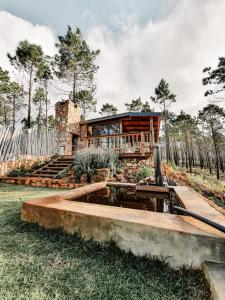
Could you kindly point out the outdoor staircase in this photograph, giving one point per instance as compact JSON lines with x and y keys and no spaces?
{"x":54,"y":167}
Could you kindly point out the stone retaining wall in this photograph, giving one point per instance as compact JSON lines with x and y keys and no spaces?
{"x":40,"y":182}
{"x":7,"y":166}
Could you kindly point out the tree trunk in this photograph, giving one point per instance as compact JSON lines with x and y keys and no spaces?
{"x":14,"y":112}
{"x":216,"y":151}
{"x":46,"y":105}
{"x":29,"y":98}
{"x":166,"y":134}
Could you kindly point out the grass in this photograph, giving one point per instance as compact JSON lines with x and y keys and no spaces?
{"x":40,"y":264}
{"x":203,"y":182}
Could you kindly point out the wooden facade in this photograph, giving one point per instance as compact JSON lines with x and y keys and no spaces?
{"x":130,"y":134}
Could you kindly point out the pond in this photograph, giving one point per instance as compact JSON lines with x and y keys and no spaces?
{"x":128,"y":197}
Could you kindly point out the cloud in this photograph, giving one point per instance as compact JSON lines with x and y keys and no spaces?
{"x":134,"y":59}
{"x":176,"y":48}
{"x":14,"y":29}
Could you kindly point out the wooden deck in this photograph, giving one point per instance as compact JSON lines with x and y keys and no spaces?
{"x":133,"y":145}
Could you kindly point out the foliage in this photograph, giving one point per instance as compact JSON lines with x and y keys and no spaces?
{"x":108,"y":109}
{"x":213,"y":118}
{"x":15,"y":99}
{"x":20,"y":172}
{"x":85,"y":100}
{"x":51,"y":121}
{"x":143,"y":173}
{"x":63,"y":173}
{"x":4,"y":107}
{"x":39,"y":101}
{"x":45,"y":264}
{"x":86,"y":161}
{"x":215,"y":78}
{"x":75,"y":62}
{"x":137,"y":105}
{"x":200,"y":180}
{"x":165,"y":98}
{"x":28,"y":58}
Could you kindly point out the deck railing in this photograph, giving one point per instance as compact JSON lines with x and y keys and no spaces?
{"x":121,"y":143}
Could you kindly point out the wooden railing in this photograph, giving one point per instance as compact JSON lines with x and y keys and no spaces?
{"x":141,"y":142}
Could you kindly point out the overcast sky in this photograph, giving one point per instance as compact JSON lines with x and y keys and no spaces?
{"x":141,"y":41}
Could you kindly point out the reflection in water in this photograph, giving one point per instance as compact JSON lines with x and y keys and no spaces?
{"x":129,"y":198}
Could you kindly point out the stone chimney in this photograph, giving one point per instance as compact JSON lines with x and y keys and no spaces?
{"x":67,"y":123}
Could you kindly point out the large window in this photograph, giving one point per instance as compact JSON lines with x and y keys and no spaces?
{"x":105,"y":129}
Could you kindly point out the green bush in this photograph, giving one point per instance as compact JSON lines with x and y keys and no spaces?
{"x":19,"y":172}
{"x":86,"y":161}
{"x":143,"y":173}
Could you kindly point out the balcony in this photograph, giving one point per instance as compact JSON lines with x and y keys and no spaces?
{"x":126,"y":144}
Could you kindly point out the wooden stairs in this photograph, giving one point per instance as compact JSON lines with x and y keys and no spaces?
{"x":57,"y":165}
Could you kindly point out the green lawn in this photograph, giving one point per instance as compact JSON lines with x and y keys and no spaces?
{"x":40,"y":264}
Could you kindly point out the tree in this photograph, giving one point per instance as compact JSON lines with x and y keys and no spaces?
{"x":15,"y":99}
{"x":108,"y":109}
{"x":146,"y":107}
{"x":186,"y":125}
{"x":213,"y":117}
{"x":215,"y":78}
{"x":165,"y":98}
{"x":135,"y":105}
{"x":86,"y":102}
{"x":39,"y":100}
{"x":44,"y":75}
{"x":75,"y":62}
{"x":27,"y":60}
{"x":4,"y":107}
{"x":51,"y":121}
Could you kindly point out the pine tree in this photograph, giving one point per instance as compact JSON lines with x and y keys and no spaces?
{"x":75,"y":62}
{"x":27,"y":60}
{"x":108,"y":109}
{"x":165,"y":98}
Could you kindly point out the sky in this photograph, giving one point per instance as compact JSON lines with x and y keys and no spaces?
{"x":141,"y":41}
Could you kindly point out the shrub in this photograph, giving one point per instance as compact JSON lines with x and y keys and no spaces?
{"x":88,"y":160}
{"x":143,"y":173}
{"x":19,"y":172}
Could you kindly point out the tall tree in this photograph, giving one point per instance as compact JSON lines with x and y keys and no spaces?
{"x":108,"y":109}
{"x":27,"y":60}
{"x":165,"y":98}
{"x":75,"y":62}
{"x":15,"y":99}
{"x":186,"y":125}
{"x":44,"y":76}
{"x":213,"y":117}
{"x":85,"y":100}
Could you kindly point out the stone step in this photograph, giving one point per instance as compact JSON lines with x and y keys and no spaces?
{"x":53,"y":168}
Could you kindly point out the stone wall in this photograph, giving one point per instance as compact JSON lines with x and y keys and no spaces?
{"x":40,"y":182}
{"x":7,"y":166}
{"x":67,"y":118}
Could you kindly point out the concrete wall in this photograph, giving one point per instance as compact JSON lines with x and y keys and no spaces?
{"x":180,"y":239}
